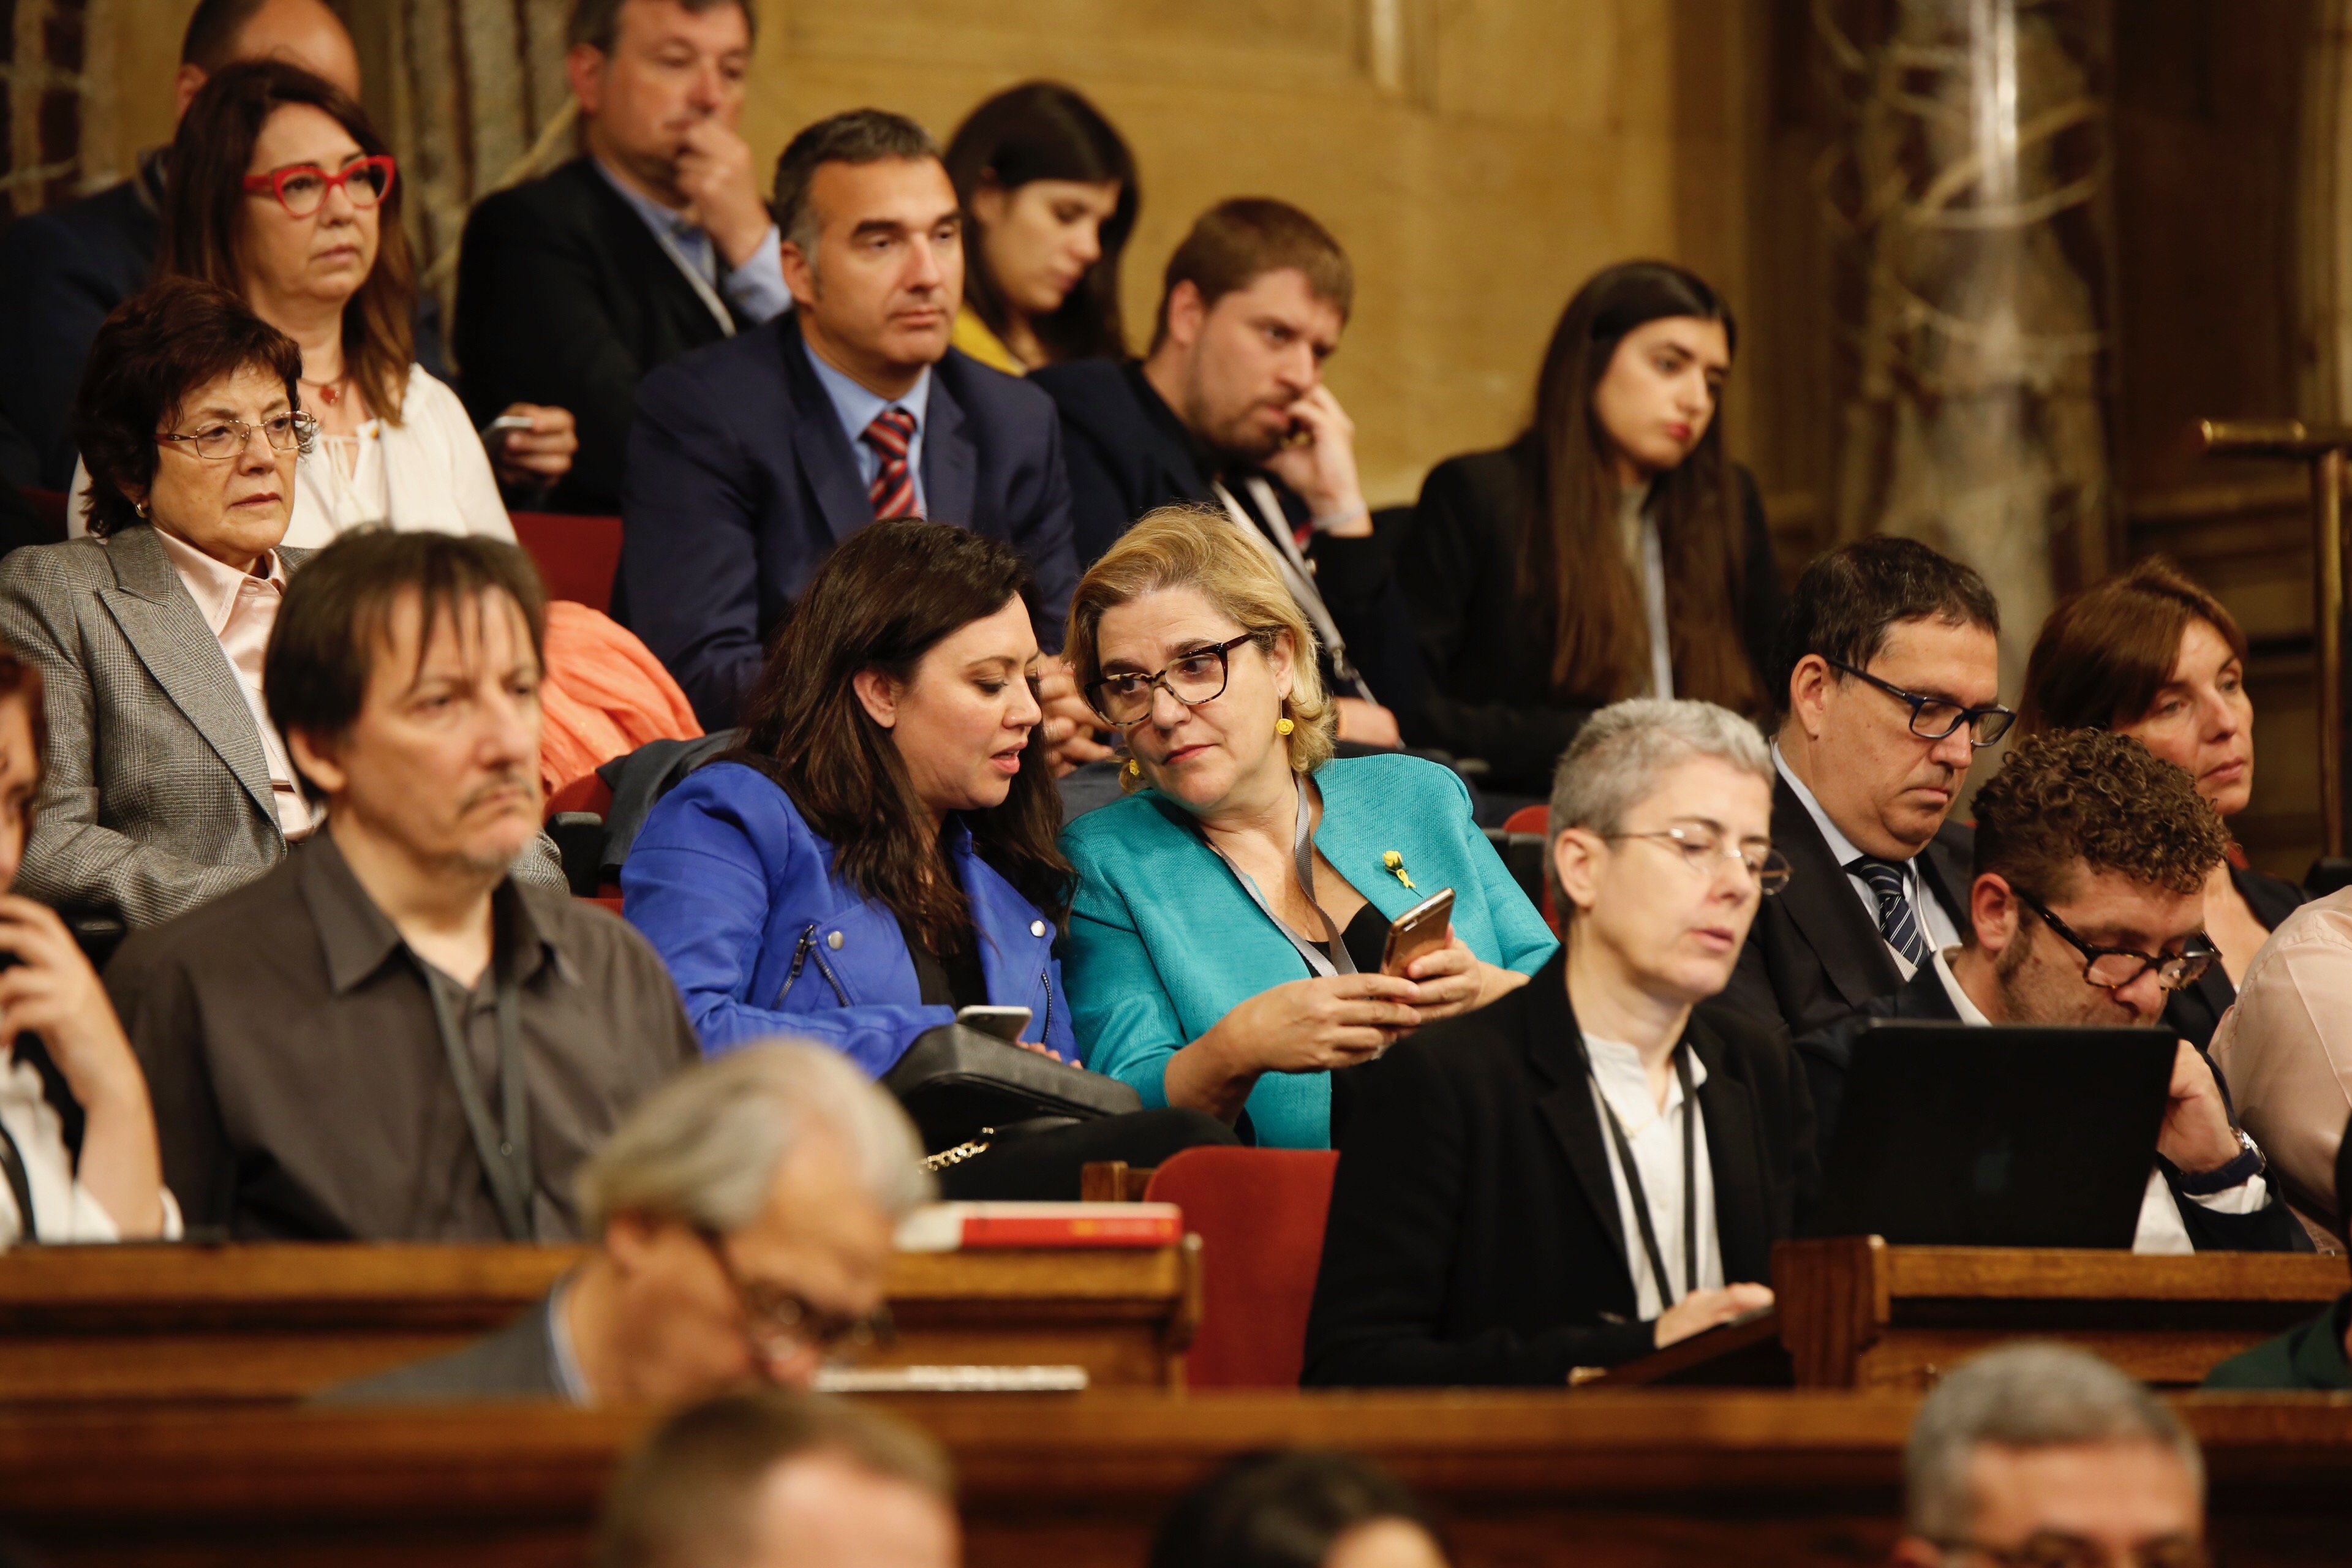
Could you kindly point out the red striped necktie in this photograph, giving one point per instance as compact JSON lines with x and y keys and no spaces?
{"x":893,"y":489}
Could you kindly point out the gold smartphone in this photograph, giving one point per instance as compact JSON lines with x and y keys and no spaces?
{"x":1417,"y":931}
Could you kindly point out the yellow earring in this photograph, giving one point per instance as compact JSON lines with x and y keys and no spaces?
{"x":1134,"y":768}
{"x":1283,"y":726}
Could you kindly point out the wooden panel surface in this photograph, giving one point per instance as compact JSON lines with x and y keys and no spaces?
{"x":276,"y":1323}
{"x":1592,"y":1478}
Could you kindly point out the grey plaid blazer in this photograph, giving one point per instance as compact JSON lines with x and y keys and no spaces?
{"x":156,"y":795}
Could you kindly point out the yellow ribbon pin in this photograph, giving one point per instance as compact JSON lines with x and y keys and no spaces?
{"x":1395,"y":863}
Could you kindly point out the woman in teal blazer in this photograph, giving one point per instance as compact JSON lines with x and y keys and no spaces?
{"x":1200,"y":961}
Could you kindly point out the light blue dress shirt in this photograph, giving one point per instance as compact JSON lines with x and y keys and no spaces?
{"x":1935,"y":926}
{"x":856,"y":408}
{"x":756,"y":287}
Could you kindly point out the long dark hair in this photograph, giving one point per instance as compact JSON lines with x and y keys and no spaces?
{"x":1272,"y":1510}
{"x":206,"y":196}
{"x":1573,"y":565}
{"x":884,"y":597}
{"x":1043,"y":130}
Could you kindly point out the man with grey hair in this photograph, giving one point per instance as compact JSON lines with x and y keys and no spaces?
{"x":751,"y":458}
{"x":653,"y":242}
{"x":777,"y":1479}
{"x":2044,"y":1455}
{"x":1597,"y":1164}
{"x":744,"y":1215}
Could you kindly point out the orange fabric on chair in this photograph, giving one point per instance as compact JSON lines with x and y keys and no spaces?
{"x":1259,"y":1214}
{"x":605,"y":694}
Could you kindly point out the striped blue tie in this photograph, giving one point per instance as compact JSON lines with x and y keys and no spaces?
{"x":1890,"y":882}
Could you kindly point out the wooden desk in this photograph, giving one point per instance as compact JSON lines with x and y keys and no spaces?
{"x":243,"y":1323}
{"x":1597,"y":1479}
{"x":1857,"y":1313}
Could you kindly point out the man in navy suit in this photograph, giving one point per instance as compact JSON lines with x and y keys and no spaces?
{"x":750,"y":458}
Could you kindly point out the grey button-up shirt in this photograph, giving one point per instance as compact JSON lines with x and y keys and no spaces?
{"x":299,"y":1083}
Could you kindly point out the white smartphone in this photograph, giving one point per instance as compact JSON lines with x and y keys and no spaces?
{"x":1004,"y":1022}
{"x":507,"y":422}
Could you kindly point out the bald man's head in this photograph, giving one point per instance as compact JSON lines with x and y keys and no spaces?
{"x":305,"y":33}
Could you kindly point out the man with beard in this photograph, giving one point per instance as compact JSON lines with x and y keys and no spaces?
{"x":2088,"y":908}
{"x":1228,"y":411}
{"x":388,"y":1037}
{"x":1886,"y":669}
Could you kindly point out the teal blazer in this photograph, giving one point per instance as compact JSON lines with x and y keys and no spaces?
{"x":1164,"y":942}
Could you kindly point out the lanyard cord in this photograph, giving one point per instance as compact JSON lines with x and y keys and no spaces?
{"x":1340,"y":961}
{"x":505,"y":1152}
{"x":1666,"y":1296}
{"x":1274,"y":539}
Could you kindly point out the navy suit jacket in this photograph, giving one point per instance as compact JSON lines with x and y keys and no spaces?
{"x":1827,"y":1053}
{"x":740,"y":478}
{"x":60,"y":272}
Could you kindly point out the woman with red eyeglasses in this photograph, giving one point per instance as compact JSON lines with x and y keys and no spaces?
{"x":282,"y":193}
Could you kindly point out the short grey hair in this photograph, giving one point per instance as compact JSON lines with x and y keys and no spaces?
{"x":1617,"y":759}
{"x":855,"y":136}
{"x":2032,"y":1395}
{"x":705,"y":1148}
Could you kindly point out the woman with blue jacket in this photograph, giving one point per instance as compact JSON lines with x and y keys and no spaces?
{"x":1226,"y":934}
{"x":880,"y":851}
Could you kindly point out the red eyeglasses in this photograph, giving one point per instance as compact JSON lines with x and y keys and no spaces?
{"x":302,"y":189}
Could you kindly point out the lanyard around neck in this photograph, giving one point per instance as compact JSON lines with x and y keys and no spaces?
{"x":1339,"y":961}
{"x":504,"y":1150}
{"x":1657,"y":1257}
{"x":1274,"y":537}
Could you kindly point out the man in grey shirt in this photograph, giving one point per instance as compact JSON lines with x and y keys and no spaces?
{"x":387,"y":1037}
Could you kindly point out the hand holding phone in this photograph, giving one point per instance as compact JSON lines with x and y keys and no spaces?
{"x":1004,"y":1022}
{"x":1419,"y":930}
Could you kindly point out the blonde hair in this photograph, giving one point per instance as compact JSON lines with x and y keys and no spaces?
{"x":1193,"y":547}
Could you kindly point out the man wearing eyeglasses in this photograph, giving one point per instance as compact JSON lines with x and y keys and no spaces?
{"x":1889,"y":667}
{"x":744,"y":1216}
{"x":2088,"y":908}
{"x":2042,"y":1456}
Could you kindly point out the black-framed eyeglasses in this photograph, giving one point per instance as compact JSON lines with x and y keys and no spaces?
{"x":225,"y":438}
{"x":1124,"y":699}
{"x":779,"y":1323}
{"x":1704,"y":848}
{"x":2061,"y":1549}
{"x":2113,"y":968}
{"x":1933,"y":718}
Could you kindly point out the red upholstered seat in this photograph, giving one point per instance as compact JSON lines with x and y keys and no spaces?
{"x":1259,"y":1214}
{"x":1535,"y":819}
{"x":587,"y":793}
{"x":577,"y":557}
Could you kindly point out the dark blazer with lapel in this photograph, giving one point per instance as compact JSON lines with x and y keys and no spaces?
{"x":741,"y":479}
{"x":516,"y":1362}
{"x":565,"y":298}
{"x":1815,"y":953}
{"x":1489,"y":654}
{"x":2196,"y":1013}
{"x":1828,"y":1052}
{"x":1473,"y":1234}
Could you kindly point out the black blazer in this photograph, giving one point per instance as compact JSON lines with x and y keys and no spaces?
{"x":565,"y":298}
{"x":740,"y":478}
{"x":2196,"y":1013}
{"x":1488,"y":653}
{"x":1128,"y":454}
{"x":1827,"y":1053}
{"x":1815,"y":953}
{"x":1473,"y":1234}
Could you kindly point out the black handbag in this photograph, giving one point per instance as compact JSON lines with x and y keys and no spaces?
{"x":956,"y":1081}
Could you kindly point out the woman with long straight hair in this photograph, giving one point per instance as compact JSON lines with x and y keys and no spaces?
{"x":879,"y":853}
{"x":1049,"y":198}
{"x":1610,"y":552}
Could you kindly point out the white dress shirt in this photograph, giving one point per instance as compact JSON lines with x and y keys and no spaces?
{"x":63,"y":1209}
{"x":1620,"y":1083}
{"x":1934,"y":924}
{"x":240,"y":607}
{"x":2160,"y":1229}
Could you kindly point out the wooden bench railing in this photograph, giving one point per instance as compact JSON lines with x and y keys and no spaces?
{"x":1602,"y":1480}
{"x":279,"y":1322}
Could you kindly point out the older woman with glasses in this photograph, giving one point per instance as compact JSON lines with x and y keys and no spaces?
{"x":283,"y":194}
{"x":1227,"y":932}
{"x":1599,"y":1165}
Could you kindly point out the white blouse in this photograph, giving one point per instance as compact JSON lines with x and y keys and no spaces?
{"x":428,"y":473}
{"x":63,"y":1209}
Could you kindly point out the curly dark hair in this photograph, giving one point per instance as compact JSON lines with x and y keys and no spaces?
{"x":2099,"y":798}
{"x":158,"y":346}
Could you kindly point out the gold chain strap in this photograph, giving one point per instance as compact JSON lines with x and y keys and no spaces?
{"x":964,"y":1151}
